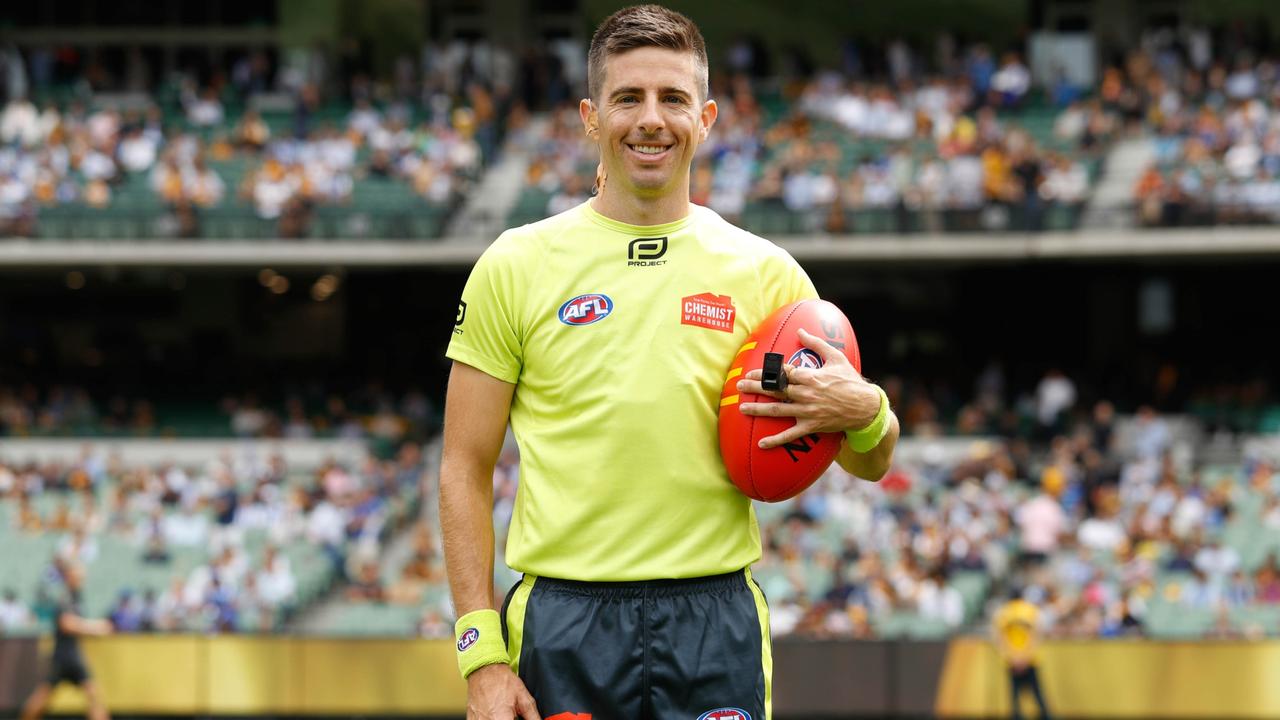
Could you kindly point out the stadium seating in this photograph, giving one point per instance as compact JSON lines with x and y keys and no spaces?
{"x":115,"y":560}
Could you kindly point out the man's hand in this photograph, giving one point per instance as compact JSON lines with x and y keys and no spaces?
{"x":832,"y":398}
{"x":495,"y":693}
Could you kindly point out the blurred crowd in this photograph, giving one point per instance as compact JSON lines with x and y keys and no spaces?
{"x":994,"y":405}
{"x":53,"y":156}
{"x":230,"y":532}
{"x":1099,"y":532}
{"x":101,"y":156}
{"x":942,"y":155}
{"x":64,"y":409}
{"x":272,"y":140}
{"x":1217,"y":134}
{"x":371,"y":412}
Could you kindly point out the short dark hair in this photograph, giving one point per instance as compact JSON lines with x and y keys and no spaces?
{"x":644,"y":26}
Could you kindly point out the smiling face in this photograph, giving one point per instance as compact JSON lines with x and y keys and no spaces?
{"x":649,"y":119}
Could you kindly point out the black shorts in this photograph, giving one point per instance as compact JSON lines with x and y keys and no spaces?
{"x":67,"y":669}
{"x":695,"y":649}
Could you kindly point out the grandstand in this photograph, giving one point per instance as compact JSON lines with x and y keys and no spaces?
{"x":226,"y":284}
{"x":276,"y":536}
{"x":1194,"y":538}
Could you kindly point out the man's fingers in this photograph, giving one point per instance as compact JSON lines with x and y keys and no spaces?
{"x":753,"y":387}
{"x":795,"y":432}
{"x":829,"y":352}
{"x":800,"y":376}
{"x":774,"y":409}
{"x":795,"y":393}
{"x":801,"y":393}
{"x":527,"y":708}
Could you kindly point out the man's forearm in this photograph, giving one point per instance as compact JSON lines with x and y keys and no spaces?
{"x":466,"y":521}
{"x":873,"y":464}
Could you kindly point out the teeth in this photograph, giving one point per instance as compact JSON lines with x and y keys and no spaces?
{"x":648,"y":149}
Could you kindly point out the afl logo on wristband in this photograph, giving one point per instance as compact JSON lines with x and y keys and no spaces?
{"x":725,"y":714}
{"x":586,"y":309}
{"x":469,"y":637}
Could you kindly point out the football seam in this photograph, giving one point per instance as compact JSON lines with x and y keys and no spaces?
{"x":751,"y":434}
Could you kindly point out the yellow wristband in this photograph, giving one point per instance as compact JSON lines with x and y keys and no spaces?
{"x":480,"y":643}
{"x":867,"y":438}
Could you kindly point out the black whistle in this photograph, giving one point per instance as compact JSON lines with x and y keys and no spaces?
{"x":772,"y":376}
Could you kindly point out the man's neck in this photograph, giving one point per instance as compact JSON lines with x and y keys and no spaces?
{"x":634,"y":210}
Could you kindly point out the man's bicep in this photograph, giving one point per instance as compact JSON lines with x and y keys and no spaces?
{"x":475,"y":415}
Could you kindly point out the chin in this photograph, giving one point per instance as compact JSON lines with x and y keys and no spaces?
{"x":650,"y":184}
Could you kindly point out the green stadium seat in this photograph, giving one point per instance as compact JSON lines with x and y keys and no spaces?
{"x":1178,"y":623}
{"x":973,"y":586}
{"x":895,"y":625}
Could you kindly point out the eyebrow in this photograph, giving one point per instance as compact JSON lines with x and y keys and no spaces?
{"x":641,"y":91}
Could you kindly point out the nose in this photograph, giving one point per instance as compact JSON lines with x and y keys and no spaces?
{"x":651,"y":122}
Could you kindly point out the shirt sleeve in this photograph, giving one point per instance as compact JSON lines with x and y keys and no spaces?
{"x":784,"y":281}
{"x":486,"y":331}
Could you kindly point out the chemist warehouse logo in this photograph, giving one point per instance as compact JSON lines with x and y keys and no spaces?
{"x":708,"y":310}
{"x":586,"y":309}
{"x":646,"y":252}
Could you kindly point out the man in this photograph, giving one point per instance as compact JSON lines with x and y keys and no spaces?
{"x":1017,"y":638}
{"x":67,"y":664}
{"x":636,"y":601}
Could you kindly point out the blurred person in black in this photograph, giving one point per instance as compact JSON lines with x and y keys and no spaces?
{"x":67,"y":663}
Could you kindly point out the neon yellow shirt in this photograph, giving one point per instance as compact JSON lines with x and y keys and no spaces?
{"x":617,"y":338}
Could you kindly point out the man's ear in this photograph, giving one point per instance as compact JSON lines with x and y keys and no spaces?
{"x":710,"y":111}
{"x":590,"y":117}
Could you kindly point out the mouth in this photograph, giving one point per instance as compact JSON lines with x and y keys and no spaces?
{"x":650,"y":152}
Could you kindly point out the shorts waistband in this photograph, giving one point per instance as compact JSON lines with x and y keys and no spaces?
{"x":735,"y":580}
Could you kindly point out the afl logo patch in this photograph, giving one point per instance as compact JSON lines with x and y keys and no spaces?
{"x":468,"y":638}
{"x":725,"y":714}
{"x":586,"y":309}
{"x":805,"y":358}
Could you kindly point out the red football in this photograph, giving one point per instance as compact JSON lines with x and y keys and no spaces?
{"x":782,"y":472}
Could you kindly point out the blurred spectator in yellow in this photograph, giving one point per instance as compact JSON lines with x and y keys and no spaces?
{"x":1017,"y":633}
{"x":251,"y":133}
